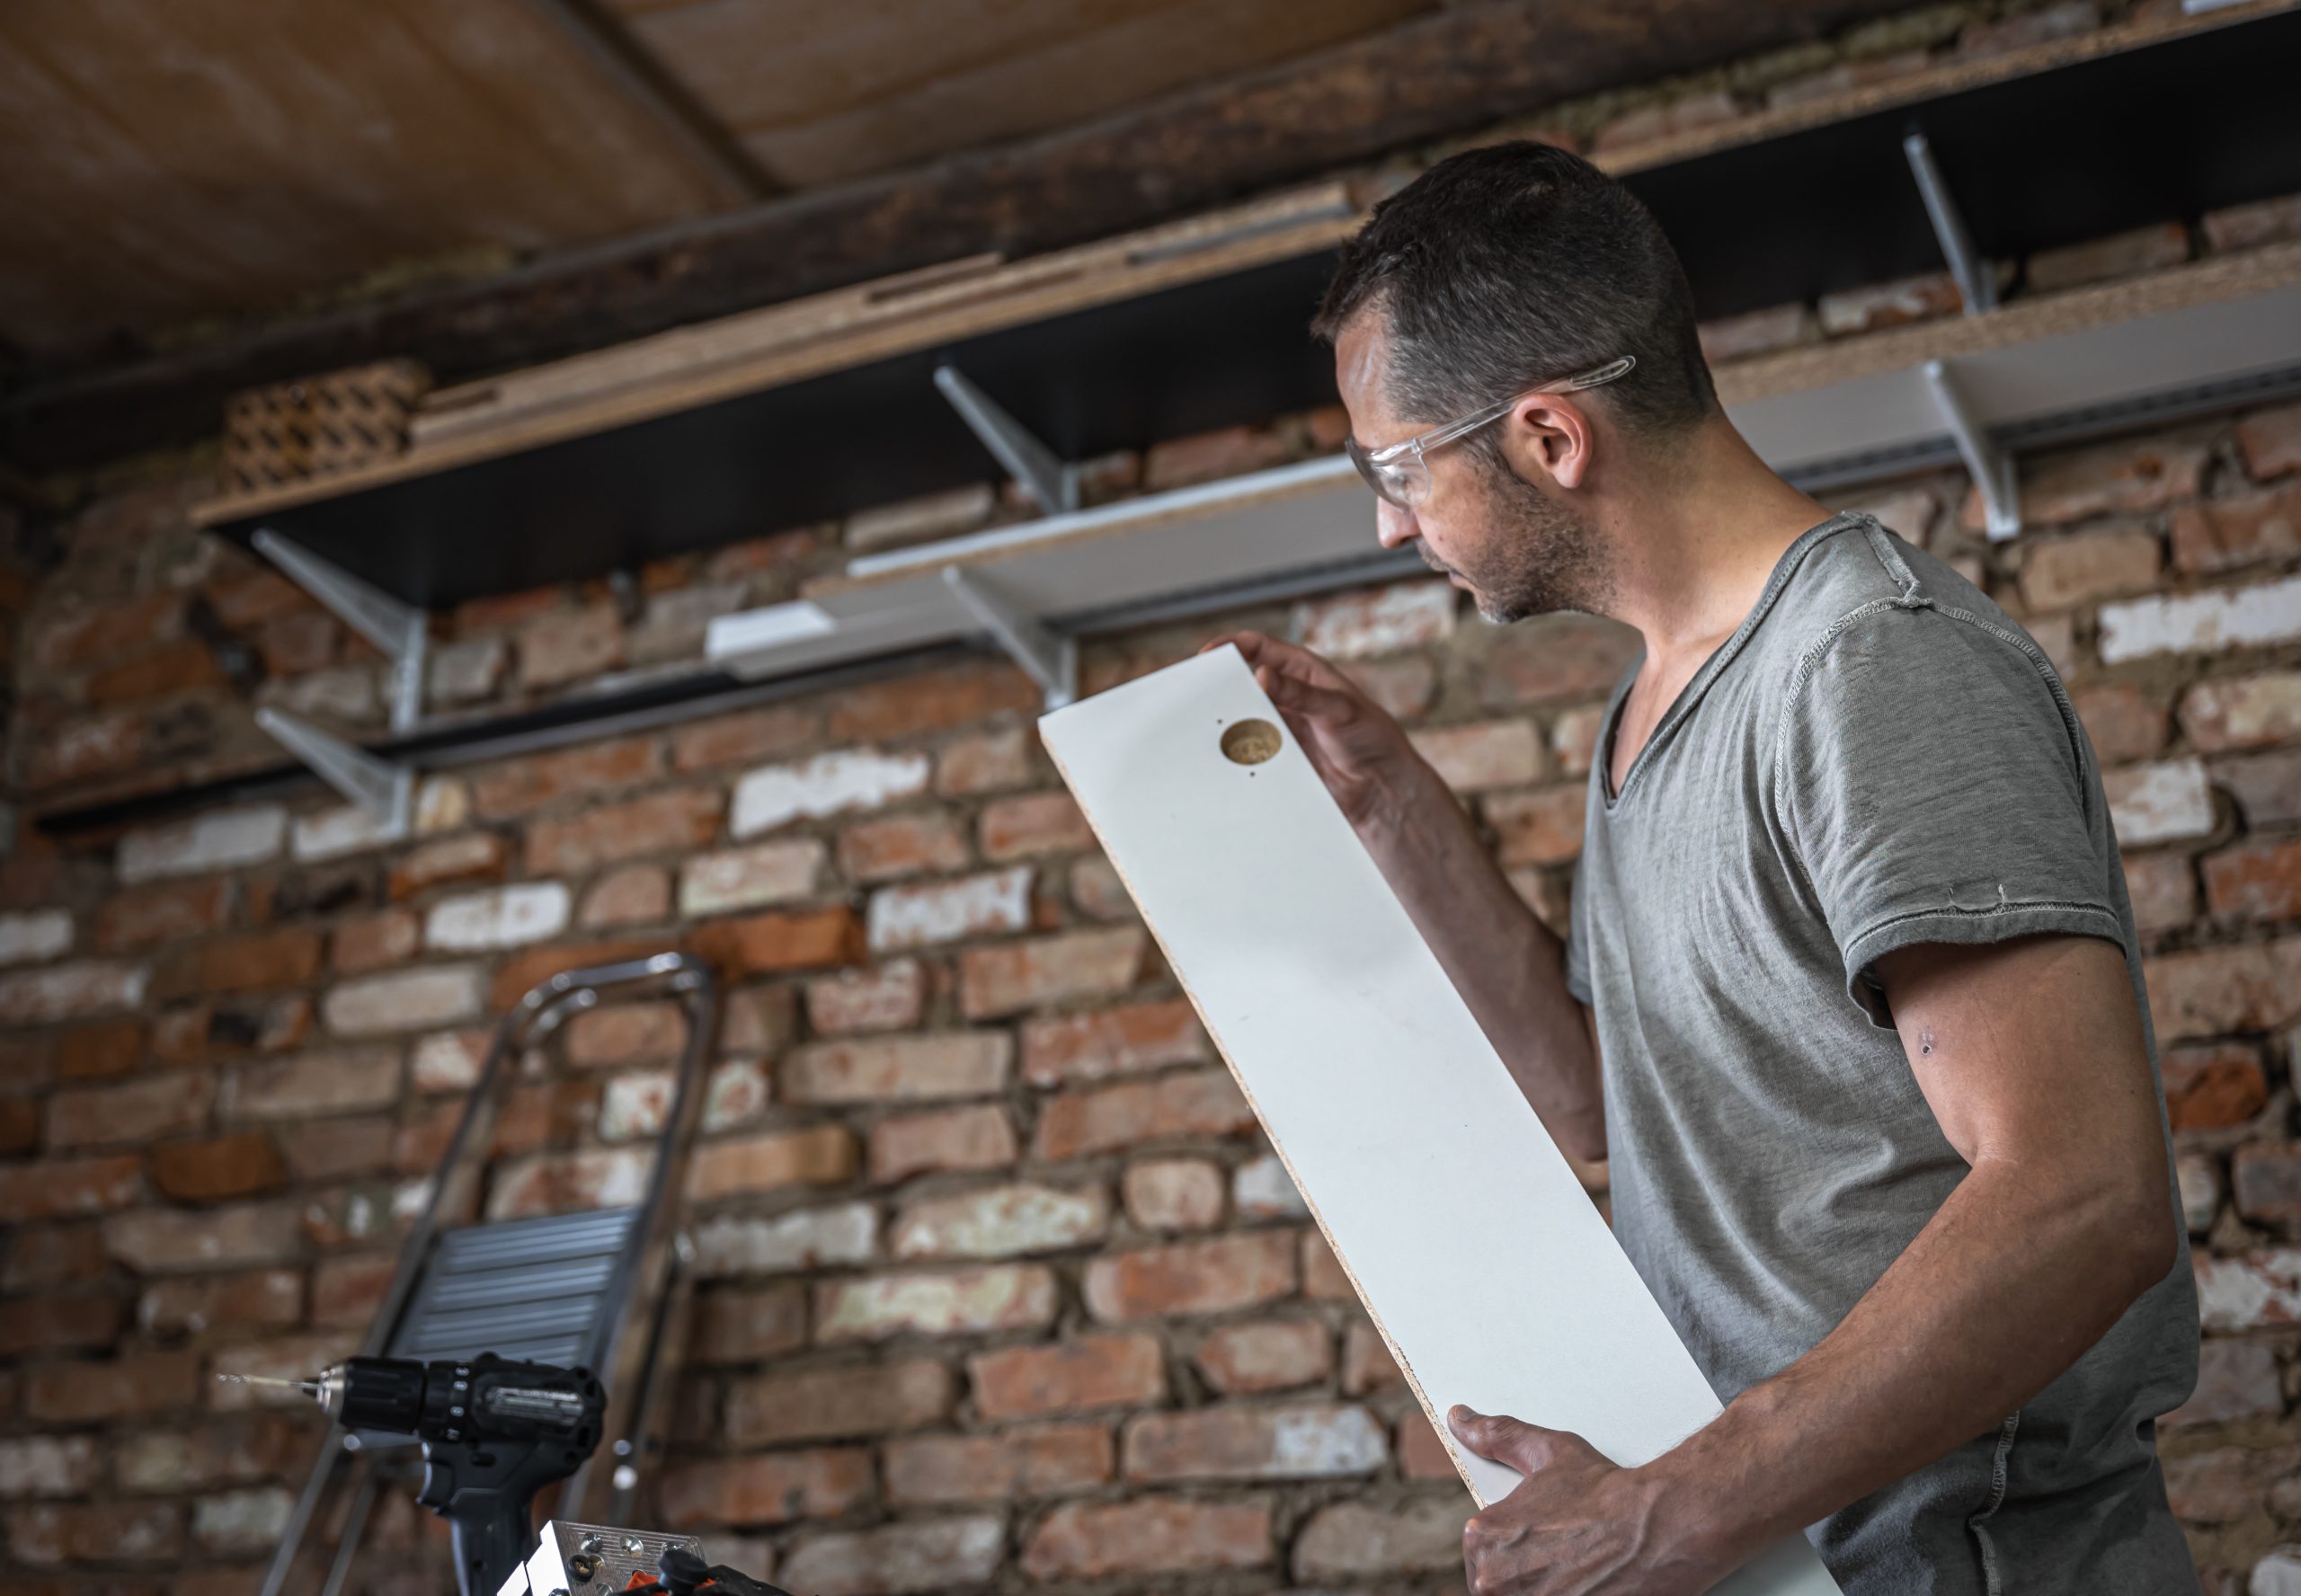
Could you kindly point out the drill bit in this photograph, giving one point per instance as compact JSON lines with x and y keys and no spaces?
{"x":309,"y":1387}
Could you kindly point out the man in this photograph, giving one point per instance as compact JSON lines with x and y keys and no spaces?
{"x":1852,"y":997}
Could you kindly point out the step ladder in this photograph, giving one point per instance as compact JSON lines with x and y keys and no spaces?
{"x":606,"y":1290}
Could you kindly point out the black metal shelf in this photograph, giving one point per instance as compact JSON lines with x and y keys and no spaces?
{"x":2162,"y":132}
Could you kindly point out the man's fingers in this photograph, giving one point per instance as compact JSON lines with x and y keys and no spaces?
{"x":1501,"y":1439}
{"x":1260,"y":649}
{"x":1297,"y":697}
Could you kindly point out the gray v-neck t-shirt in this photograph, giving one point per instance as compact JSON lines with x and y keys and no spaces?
{"x":1878,"y":756}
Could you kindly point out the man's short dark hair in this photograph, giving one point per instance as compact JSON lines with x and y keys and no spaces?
{"x":1516,"y":264}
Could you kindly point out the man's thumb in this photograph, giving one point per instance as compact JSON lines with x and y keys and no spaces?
{"x":1501,"y":1439}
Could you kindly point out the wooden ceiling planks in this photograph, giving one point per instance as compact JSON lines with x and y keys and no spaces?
{"x":170,"y":162}
{"x":824,"y":95}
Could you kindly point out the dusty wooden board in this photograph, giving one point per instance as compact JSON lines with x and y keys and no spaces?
{"x":1491,"y":1276}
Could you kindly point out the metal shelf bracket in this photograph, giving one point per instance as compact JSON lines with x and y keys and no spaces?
{"x":399,"y":631}
{"x":1052,"y":482}
{"x":1992,"y":467}
{"x":1975,"y":281}
{"x":1052,"y":661}
{"x":384,"y":790}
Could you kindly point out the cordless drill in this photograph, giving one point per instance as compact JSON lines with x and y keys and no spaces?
{"x":494,"y":1432}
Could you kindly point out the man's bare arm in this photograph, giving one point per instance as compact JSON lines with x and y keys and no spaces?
{"x":2030,"y":1054}
{"x":1508,"y":967}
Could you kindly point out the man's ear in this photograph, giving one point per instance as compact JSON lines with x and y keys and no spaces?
{"x":1550,"y":433}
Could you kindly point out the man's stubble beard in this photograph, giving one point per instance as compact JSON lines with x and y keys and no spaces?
{"x":1538,"y":559}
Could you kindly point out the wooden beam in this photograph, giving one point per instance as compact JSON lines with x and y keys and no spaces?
{"x":1445,"y":74}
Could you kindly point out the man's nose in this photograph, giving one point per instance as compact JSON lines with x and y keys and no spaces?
{"x":1394,"y":527}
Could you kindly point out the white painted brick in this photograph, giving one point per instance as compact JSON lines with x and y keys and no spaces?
{"x":68,"y":991}
{"x":334,"y":833}
{"x":1003,"y":1222}
{"x":217,"y":841}
{"x":2277,"y":1575}
{"x":2252,"y":1292}
{"x":2159,"y":802}
{"x":829,"y":784}
{"x":449,"y":1061}
{"x":948,"y":911}
{"x":500,"y":917}
{"x":750,"y":877}
{"x":1356,"y":626}
{"x":2191,"y":623}
{"x":2199,"y":1177}
{"x":29,"y":938}
{"x":935,"y":514}
{"x":744,"y":1243}
{"x":47,"y":1466}
{"x":406,"y":1000}
{"x":1263,"y":1190}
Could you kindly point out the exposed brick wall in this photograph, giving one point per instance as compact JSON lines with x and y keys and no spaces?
{"x":1000,"y":1282}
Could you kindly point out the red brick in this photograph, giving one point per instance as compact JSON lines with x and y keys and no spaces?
{"x":1479,"y":757}
{"x":742,"y":738}
{"x":1193,"y":1277}
{"x":885,"y":997}
{"x":1876,"y":306}
{"x":931,"y":701}
{"x":2217,"y":1487}
{"x":339,"y":1149}
{"x":1046,"y":1460}
{"x":346,"y":1292}
{"x":2110,"y":479}
{"x":518,"y":975}
{"x":745,"y":1327}
{"x":2122,"y":722}
{"x":164,"y":912}
{"x":589,"y":772}
{"x":179,"y":666}
{"x":2259,"y":881}
{"x":19,"y":1125}
{"x":984,"y":762}
{"x":1011,"y":977}
{"x":2226,"y":533}
{"x":505,"y":609}
{"x":1324,"y":1279}
{"x":103,"y":1051}
{"x":2266,"y":1179}
{"x":798,"y":939}
{"x":2270,"y":441}
{"x":565,"y":1182}
{"x":181,"y":1240}
{"x":981,"y":1136}
{"x":212,"y":1171}
{"x":2100,"y":259}
{"x":251,"y":962}
{"x":1097,"y":889}
{"x":1311,"y":1441}
{"x":838,"y":1403}
{"x":472,"y":857}
{"x":133,"y":1111}
{"x":46,"y":1534}
{"x":948,"y":1302}
{"x":659,"y":823}
{"x":80,"y":638}
{"x":775,"y":1489}
{"x":52,"y":1255}
{"x":2235,"y":1379}
{"x":2266,"y":787}
{"x":2212,"y":1087}
{"x":377,"y":941}
{"x":308,"y":1085}
{"x":758,"y":1020}
{"x":818,"y":1155}
{"x":1422,"y":1454}
{"x":1072,"y":1048}
{"x":2162,"y":885}
{"x":1270,"y":1355}
{"x":254,"y":595}
{"x":1366,"y":1363}
{"x":2060,"y":572}
{"x":59,"y":1186}
{"x":955,"y":1064}
{"x":1555,"y":658}
{"x":89,"y":747}
{"x":60,"y":1324}
{"x":1077,"y":1376}
{"x":2244,"y":710}
{"x":1356,"y":1540}
{"x":27,"y":1062}
{"x":2216,"y":991}
{"x":1174,"y":1194}
{"x":1198,"y":1103}
{"x":922,"y":1558}
{"x":1544,"y":827}
{"x":1205,"y":457}
{"x":1032,"y":825}
{"x":624,"y":1034}
{"x":635,"y":895}
{"x":1148,"y":1535}
{"x":571,"y":644}
{"x":300,"y":644}
{"x":902,"y":844}
{"x":123,"y":1387}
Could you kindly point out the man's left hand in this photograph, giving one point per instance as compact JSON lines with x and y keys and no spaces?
{"x":1576,"y":1524}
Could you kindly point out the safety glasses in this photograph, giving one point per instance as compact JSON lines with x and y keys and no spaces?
{"x":1400,"y":472}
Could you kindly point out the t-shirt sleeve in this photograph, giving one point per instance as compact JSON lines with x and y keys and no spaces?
{"x":1577,"y":943}
{"x":1934,"y":786}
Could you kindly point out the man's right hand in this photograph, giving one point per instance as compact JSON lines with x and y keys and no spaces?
{"x":1358,"y":750}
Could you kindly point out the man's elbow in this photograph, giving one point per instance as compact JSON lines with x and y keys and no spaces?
{"x":2139,"y":1235}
